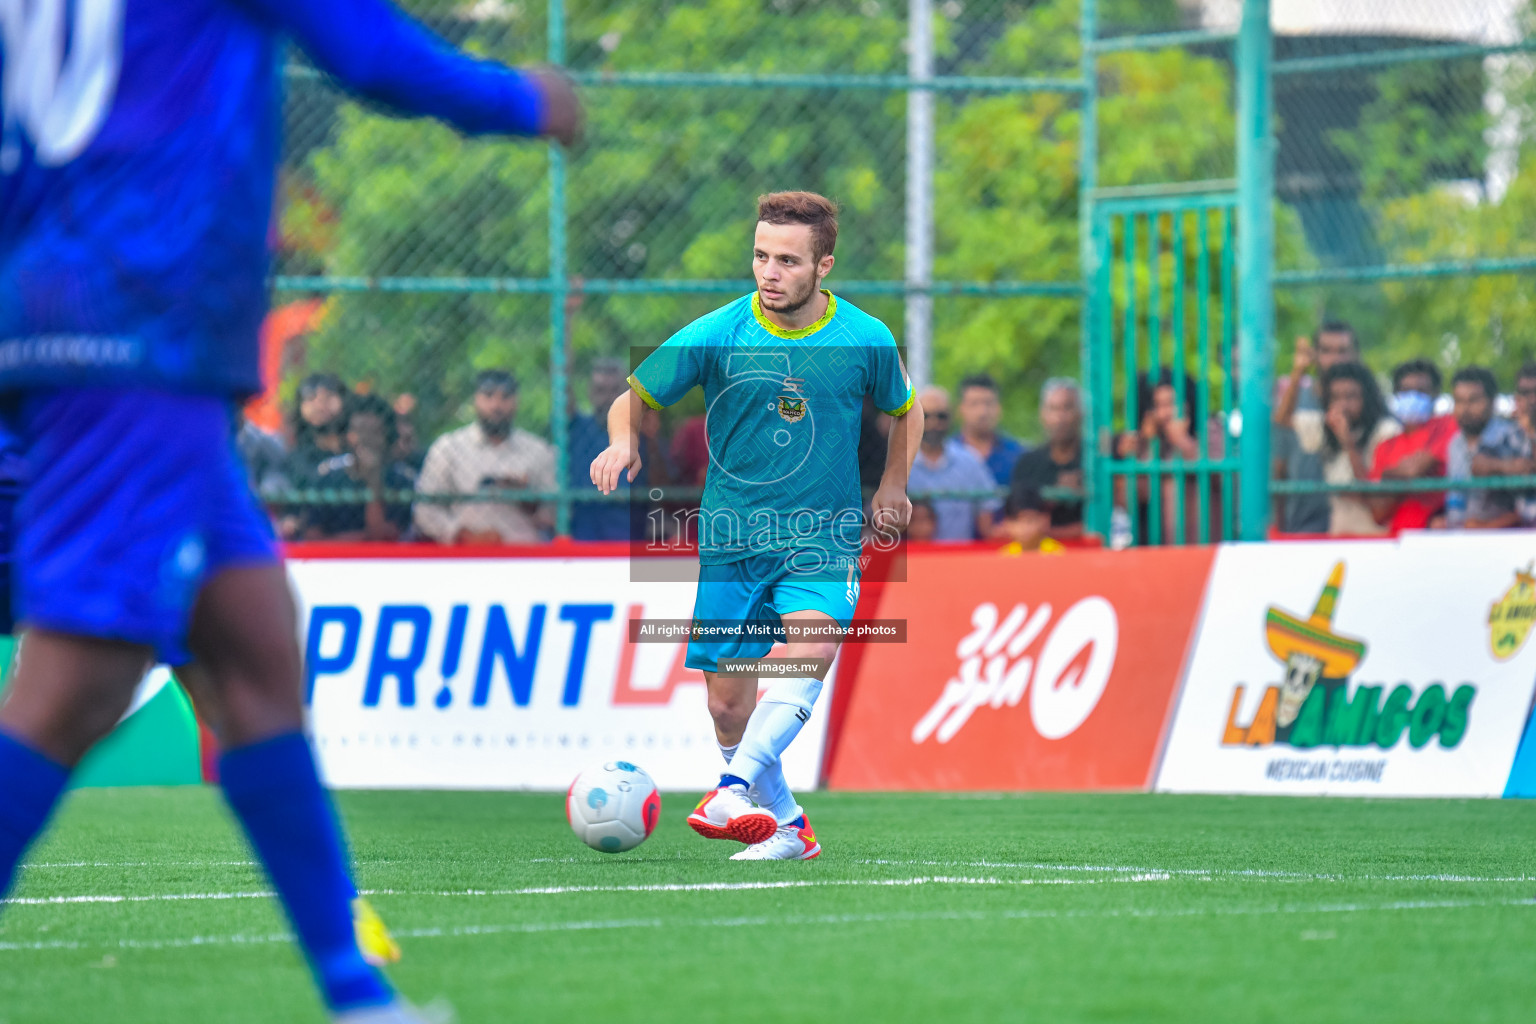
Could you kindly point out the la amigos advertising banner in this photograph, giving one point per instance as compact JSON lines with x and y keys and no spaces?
{"x":1375,"y":668}
{"x":506,"y":674}
{"x":1022,"y":672}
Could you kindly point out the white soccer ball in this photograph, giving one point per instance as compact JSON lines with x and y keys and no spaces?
{"x":613,"y":807}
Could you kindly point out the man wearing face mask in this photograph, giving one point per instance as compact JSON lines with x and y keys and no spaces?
{"x":1416,"y":454}
{"x":488,"y":454}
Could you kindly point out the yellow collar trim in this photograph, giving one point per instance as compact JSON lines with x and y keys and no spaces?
{"x":803,"y":332}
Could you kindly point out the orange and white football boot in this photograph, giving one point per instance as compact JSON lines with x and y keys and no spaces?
{"x":793,"y":841}
{"x":726,"y":813}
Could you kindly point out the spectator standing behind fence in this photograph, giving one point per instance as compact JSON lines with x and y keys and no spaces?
{"x":980,"y":409}
{"x":1347,"y":436}
{"x":318,"y":422}
{"x":1030,"y":517}
{"x":1333,"y":343}
{"x":943,"y":467}
{"x":1418,"y":453}
{"x":1525,"y":419}
{"x":367,"y":465}
{"x":608,"y":520}
{"x":1171,"y":432}
{"x":407,"y":443}
{"x":487,"y":455}
{"x":1486,"y":445}
{"x":1525,"y":400}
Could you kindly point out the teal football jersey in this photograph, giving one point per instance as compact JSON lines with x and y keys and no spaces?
{"x":782,"y":421}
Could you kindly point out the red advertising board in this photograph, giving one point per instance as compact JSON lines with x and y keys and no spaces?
{"x":1023,"y":672}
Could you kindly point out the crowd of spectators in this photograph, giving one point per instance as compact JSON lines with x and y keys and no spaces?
{"x":351,"y":468}
{"x":1333,"y":423}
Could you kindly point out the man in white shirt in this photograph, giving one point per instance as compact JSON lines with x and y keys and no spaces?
{"x":487,"y":455}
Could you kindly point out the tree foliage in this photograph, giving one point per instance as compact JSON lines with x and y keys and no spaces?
{"x":663,"y":189}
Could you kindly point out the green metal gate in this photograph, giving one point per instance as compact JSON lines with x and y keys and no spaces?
{"x":1163,"y":299}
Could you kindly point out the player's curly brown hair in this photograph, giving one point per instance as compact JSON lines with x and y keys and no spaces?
{"x":815,"y":211}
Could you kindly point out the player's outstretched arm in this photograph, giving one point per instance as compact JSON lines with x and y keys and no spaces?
{"x":377,"y":51}
{"x":623,"y":451}
{"x":890,"y":508}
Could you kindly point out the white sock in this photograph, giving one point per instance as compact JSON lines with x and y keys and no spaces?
{"x":771,"y":792}
{"x":774,"y":724}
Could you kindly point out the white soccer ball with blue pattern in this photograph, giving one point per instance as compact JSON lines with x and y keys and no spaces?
{"x":613,"y":807}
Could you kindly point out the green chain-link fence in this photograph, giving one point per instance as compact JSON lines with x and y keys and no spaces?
{"x":428,"y":257}
{"x":1402,"y":128}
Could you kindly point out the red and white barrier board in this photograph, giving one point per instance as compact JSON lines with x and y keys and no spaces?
{"x":505,"y":673}
{"x":1023,"y":672}
{"x":1374,"y":668}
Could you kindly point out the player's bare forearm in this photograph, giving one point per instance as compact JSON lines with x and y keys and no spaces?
{"x":890,"y":508}
{"x":622,"y":456}
{"x":624,"y":420}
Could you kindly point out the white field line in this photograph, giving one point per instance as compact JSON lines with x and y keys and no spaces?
{"x":552,"y":890}
{"x":529,"y":928}
{"x":144,"y":864}
{"x":558,"y":890}
{"x":40,"y":901}
{"x":1112,"y":873}
{"x":1118,"y":869}
{"x":1125,"y":869}
{"x":1199,"y":873}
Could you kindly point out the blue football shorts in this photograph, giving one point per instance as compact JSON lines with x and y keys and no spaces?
{"x":756,"y":590}
{"x":133,"y":499}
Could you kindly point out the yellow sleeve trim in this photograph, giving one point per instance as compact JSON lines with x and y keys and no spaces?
{"x":645,"y":396}
{"x":905,"y":407}
{"x":804,"y":332}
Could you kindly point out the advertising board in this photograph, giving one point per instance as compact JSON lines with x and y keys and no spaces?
{"x":1372,"y":668}
{"x":1022,"y":672}
{"x":505,"y":673}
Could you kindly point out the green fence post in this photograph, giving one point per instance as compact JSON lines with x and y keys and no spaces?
{"x":1096,"y":511}
{"x":559,"y":415}
{"x":1256,"y":233}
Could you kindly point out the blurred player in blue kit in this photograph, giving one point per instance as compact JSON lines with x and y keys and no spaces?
{"x":137,"y":162}
{"x":785,"y":371}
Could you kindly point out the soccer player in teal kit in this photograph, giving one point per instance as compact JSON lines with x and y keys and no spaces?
{"x":785,"y":371}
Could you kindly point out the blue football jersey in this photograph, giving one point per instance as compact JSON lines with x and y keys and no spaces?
{"x":137,"y":163}
{"x":782,"y":422}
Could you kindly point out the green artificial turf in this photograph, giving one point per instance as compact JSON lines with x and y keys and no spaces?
{"x":1052,"y":908}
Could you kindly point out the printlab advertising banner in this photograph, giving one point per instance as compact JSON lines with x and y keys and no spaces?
{"x":505,"y":674}
{"x":1375,"y":668}
{"x":1023,"y":672}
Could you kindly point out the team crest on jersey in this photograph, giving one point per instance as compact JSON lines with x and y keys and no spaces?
{"x":791,"y":410}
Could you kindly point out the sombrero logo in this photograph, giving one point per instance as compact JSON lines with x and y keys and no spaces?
{"x":1511,"y":617}
{"x":1315,"y":703}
